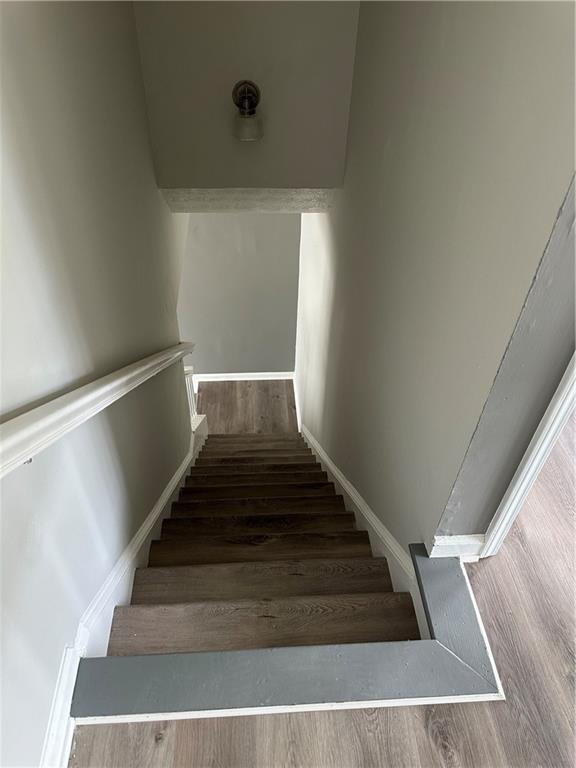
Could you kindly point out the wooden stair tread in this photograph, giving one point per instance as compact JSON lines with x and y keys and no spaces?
{"x":269,"y":506}
{"x":272,"y":490}
{"x":260,"y":470}
{"x":281,"y":546}
{"x":234,"y":625}
{"x":266,"y":478}
{"x":254,"y":436}
{"x":318,"y":522}
{"x":223,"y":451}
{"x":275,"y":578}
{"x":284,"y":458}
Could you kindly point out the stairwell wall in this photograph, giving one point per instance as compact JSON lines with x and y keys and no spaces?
{"x":460,"y":152}
{"x":90,"y":261}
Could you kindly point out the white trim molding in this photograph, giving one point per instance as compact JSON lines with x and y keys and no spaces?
{"x":251,"y":199}
{"x":94,"y":624}
{"x":557,"y":414}
{"x":358,"y":504}
{"x":259,"y":376}
{"x":30,"y":433}
{"x":468,"y":548}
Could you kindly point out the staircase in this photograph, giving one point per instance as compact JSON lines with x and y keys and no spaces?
{"x":259,"y":552}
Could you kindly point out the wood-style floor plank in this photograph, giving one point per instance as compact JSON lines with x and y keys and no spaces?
{"x":235,"y":581}
{"x":241,"y":624}
{"x":248,"y":406}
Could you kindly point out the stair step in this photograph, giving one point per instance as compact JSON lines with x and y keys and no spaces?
{"x":260,"y":442}
{"x":242,"y":624}
{"x":276,"y":578}
{"x":173,"y":528}
{"x":253,"y":469}
{"x":257,"y":478}
{"x":257,"y":491}
{"x":251,"y":451}
{"x":284,"y":458}
{"x":270,"y":506}
{"x":281,"y":546}
{"x":255,"y":436}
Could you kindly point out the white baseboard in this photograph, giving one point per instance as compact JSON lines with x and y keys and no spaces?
{"x":94,"y":625}
{"x":468,"y":548}
{"x":257,"y":376}
{"x":382,"y":541}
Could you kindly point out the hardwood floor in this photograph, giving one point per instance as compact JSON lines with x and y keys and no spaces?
{"x":526,"y":598}
{"x":248,"y":406}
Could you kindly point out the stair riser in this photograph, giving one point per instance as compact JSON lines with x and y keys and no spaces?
{"x":284,"y":458}
{"x":254,"y":451}
{"x":257,"y":491}
{"x":176,"y":528}
{"x":236,"y":581}
{"x":277,"y":506}
{"x":198,"y":481}
{"x":261,"y":470}
{"x":255,"y":548}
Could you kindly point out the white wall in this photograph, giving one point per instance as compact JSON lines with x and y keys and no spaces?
{"x":460,"y":153}
{"x":300,"y":54}
{"x":90,"y":275}
{"x":238,"y":294}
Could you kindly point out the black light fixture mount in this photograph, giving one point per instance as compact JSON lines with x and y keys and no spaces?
{"x":246,"y":97}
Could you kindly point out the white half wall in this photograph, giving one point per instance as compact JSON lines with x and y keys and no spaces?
{"x":239,"y":291}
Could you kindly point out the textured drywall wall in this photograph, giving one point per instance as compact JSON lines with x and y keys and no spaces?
{"x":301,"y":56}
{"x":89,"y":283}
{"x":535,"y":361}
{"x":460,"y":153}
{"x":239,"y":291}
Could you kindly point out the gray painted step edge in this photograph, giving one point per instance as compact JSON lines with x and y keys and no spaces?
{"x":327,"y":677}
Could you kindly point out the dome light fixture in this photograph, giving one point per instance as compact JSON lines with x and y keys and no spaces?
{"x":247,"y":125}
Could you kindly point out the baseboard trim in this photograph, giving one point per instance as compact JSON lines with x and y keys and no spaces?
{"x":258,"y":376}
{"x":361,"y":507}
{"x":468,"y":548}
{"x":97,"y":617}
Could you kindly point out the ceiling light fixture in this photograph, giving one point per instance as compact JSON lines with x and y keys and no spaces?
{"x":247,"y":125}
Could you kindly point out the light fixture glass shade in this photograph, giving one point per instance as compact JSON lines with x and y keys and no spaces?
{"x":248,"y":127}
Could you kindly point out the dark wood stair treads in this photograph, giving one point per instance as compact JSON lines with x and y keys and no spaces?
{"x":257,"y":491}
{"x":277,"y":578}
{"x":288,"y":621}
{"x":262,"y":478}
{"x":269,"y":442}
{"x":176,"y":527}
{"x":253,"y":469}
{"x":282,"y":546}
{"x":254,"y":436}
{"x":269,"y":506}
{"x":253,"y":450}
{"x":284,"y":458}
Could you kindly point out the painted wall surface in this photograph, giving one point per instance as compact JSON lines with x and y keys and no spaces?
{"x":239,"y":291}
{"x":460,"y":153}
{"x":535,"y":361}
{"x":301,"y":56}
{"x":90,"y":275}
